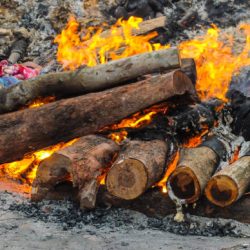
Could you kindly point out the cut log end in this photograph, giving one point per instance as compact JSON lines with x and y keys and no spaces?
{"x":127,"y":179}
{"x":222,"y":190}
{"x":184,"y":185}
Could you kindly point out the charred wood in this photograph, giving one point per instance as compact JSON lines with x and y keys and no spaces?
{"x":87,"y":80}
{"x":139,"y":166}
{"x":17,"y":50}
{"x":75,"y":117}
{"x":188,"y":18}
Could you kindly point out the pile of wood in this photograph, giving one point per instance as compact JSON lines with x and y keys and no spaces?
{"x":89,"y":99}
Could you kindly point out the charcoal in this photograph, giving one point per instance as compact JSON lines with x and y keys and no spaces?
{"x":240,"y":105}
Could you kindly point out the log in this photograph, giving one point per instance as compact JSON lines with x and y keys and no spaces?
{"x":154,"y":203}
{"x":189,"y":68}
{"x":144,"y":27}
{"x":230,"y":183}
{"x":84,"y":161}
{"x":89,"y":79}
{"x":71,"y":118}
{"x":194,"y":169}
{"x":139,"y":166}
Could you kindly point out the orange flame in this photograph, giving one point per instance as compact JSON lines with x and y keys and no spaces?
{"x":137,"y":120}
{"x":235,"y":155}
{"x":77,"y":47}
{"x":41,"y":101}
{"x":25,"y":169}
{"x":171,"y":167}
{"x":215,"y":61}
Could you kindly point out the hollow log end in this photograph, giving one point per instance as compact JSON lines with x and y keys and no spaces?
{"x":127,"y":179}
{"x":222,"y":190}
{"x":50,"y":173}
{"x":184,"y":185}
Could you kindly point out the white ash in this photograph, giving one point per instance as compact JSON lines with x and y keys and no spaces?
{"x":231,"y":142}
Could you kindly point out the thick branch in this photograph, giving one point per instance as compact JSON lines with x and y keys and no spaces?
{"x":87,"y":80}
{"x":33,"y":129}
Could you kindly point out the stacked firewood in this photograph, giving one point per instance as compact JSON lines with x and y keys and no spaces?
{"x":91,"y":99}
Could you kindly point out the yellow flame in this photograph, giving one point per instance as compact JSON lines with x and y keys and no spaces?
{"x":90,"y":47}
{"x":26,"y":168}
{"x":215,"y":61}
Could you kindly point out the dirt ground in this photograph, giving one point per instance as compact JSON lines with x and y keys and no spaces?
{"x":60,"y":225}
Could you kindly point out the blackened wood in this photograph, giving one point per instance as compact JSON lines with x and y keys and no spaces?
{"x":60,"y":121}
{"x":89,"y":79}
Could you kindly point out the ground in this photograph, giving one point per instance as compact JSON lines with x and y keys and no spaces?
{"x":61,"y":225}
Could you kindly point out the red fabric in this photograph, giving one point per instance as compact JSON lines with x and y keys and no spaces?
{"x":17,"y":70}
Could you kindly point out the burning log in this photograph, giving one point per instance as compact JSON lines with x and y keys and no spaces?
{"x":75,"y":117}
{"x":144,"y":27}
{"x":84,"y":161}
{"x":194,"y":169}
{"x":89,"y":79}
{"x":230,"y":183}
{"x":140,"y":165}
{"x":193,"y":119}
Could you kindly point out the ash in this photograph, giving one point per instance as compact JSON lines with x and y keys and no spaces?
{"x":67,"y":216}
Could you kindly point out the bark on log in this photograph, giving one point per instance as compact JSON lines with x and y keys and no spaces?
{"x":194,"y":169}
{"x":157,"y":204}
{"x":230,"y":183}
{"x":87,"y":80}
{"x":83,"y":161}
{"x":75,"y":117}
{"x":140,"y":165}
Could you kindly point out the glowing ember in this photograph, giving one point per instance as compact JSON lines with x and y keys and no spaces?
{"x":118,"y":136}
{"x":170,"y":169}
{"x":41,"y":101}
{"x":89,"y":47}
{"x":25,"y":169}
{"x":215,"y":61}
{"x":196,"y":140}
{"x":235,"y":155}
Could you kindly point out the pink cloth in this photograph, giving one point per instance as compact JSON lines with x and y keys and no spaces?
{"x":17,"y":70}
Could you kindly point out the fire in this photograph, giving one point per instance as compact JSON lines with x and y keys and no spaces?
{"x":41,"y":101}
{"x":171,"y":167}
{"x":137,"y":120}
{"x":25,"y":170}
{"x":215,"y":60}
{"x":235,"y":155}
{"x":213,"y":53}
{"x":92,"y":46}
{"x":118,"y":136}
